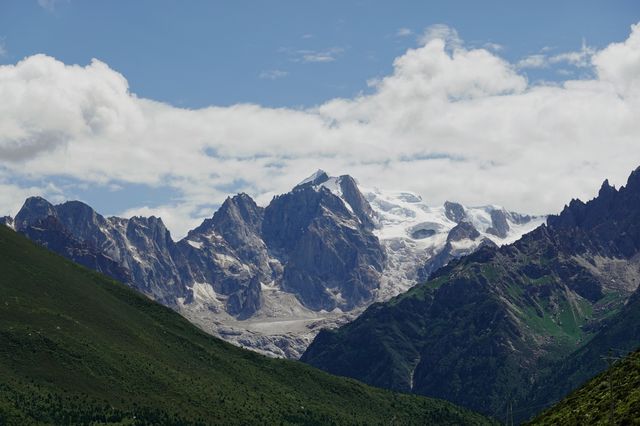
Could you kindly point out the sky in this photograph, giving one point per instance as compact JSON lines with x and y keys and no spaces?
{"x":167,"y":107}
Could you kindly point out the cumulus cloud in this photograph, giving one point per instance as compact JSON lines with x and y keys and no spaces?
{"x":449,"y":122}
{"x":619,"y":64}
{"x":441,"y":32}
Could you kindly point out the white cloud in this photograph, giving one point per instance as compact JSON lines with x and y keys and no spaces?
{"x":493,"y":46}
{"x":449,"y":122}
{"x":272,"y":74}
{"x":619,"y":63}
{"x":579,"y":59}
{"x":441,"y":32}
{"x":403,"y":32}
{"x":533,"y":61}
{"x":3,"y":48}
{"x":327,"y":55}
{"x":13,"y":196}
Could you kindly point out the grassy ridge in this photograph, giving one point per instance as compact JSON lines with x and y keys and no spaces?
{"x":76,"y":347}
{"x":591,"y":403}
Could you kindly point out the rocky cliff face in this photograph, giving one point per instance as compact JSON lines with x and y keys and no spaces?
{"x":269,"y":278}
{"x":485,"y":328}
{"x":331,"y":258}
{"x":309,"y":250}
{"x":51,"y":233}
{"x":227,"y":253}
{"x":140,"y":246}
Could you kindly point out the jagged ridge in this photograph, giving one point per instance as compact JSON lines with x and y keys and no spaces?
{"x":484,"y":329}
{"x":270,"y":278}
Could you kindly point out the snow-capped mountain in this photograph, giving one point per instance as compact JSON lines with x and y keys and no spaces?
{"x":269,"y":278}
{"x":419,"y":238}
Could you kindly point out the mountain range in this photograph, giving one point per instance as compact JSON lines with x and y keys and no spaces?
{"x":491,"y":310}
{"x":269,"y":278}
{"x":79,"y":348}
{"x":514,"y":326}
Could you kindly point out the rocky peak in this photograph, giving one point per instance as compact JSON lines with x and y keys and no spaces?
{"x":454,"y":211}
{"x":570,"y":216}
{"x":606,"y":189}
{"x":345,"y":188}
{"x":239,"y":210}
{"x":144,"y":230}
{"x":352,"y":195}
{"x":317,"y":178}
{"x":288,"y":215}
{"x":607,"y":224}
{"x":33,"y":210}
{"x":499,"y":225}
{"x":586,"y":215}
{"x":463,"y":231}
{"x":83,"y":222}
{"x":331,"y":258}
{"x":236,"y":219}
{"x":633,"y":182}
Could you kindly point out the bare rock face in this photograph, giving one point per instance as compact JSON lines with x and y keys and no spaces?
{"x":462,"y":231}
{"x":140,"y":246}
{"x":360,"y":206}
{"x":228,"y":253}
{"x":246,"y":300}
{"x":499,"y":226}
{"x":51,"y":233}
{"x":309,"y":243}
{"x":331,"y":260}
{"x":34,"y":209}
{"x":454,"y":211}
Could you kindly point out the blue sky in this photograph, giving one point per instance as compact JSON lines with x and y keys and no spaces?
{"x":200,"y":53}
{"x":521,"y":104}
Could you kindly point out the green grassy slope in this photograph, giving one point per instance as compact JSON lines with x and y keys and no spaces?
{"x":622,"y":332}
{"x":76,"y":347}
{"x":590,"y":404}
{"x":479,"y":333}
